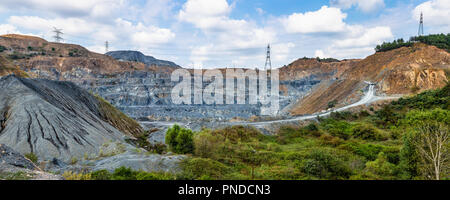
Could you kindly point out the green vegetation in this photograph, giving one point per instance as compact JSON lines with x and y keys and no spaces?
{"x":32,"y":157}
{"x":121,"y":173}
{"x":180,"y":140}
{"x":2,"y":48}
{"x":388,"y":144}
{"x":397,"y":142}
{"x":441,"y":41}
{"x":332,"y":104}
{"x":15,"y":176}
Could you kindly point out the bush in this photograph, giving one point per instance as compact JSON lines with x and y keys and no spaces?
{"x":387,"y":116}
{"x":124,"y":173}
{"x":427,"y":100}
{"x":337,"y":128}
{"x":68,"y":175}
{"x":201,"y":168}
{"x":343,"y":116}
{"x":2,"y":48}
{"x":32,"y":157}
{"x":180,"y":140}
{"x":101,"y":175}
{"x":381,"y":167}
{"x":325,"y":165}
{"x":206,"y":145}
{"x":366,"y":131}
{"x":332,"y":104}
{"x":239,"y":133}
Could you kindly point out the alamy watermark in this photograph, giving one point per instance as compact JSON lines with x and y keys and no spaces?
{"x":236,"y":86}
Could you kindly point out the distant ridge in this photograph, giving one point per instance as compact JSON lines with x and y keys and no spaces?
{"x":136,"y":56}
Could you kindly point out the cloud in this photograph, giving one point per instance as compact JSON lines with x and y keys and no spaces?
{"x":363,"y":5}
{"x":359,"y":43}
{"x":325,"y":20}
{"x":7,"y":29}
{"x":121,"y":31}
{"x":68,"y":8}
{"x":436,"y":13}
{"x":230,"y":36}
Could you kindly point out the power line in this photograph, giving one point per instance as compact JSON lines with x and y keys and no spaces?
{"x":58,"y":33}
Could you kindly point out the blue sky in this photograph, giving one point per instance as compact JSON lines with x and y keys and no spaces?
{"x":227,"y":33}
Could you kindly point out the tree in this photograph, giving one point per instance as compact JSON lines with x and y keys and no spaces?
{"x":185,"y":142}
{"x":180,"y":140}
{"x":432,"y":142}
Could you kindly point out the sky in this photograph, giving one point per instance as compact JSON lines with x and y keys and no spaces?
{"x":227,"y":33}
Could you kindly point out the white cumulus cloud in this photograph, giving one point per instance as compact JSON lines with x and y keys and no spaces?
{"x":436,"y":13}
{"x":324,"y":20}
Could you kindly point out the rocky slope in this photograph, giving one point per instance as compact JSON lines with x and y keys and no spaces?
{"x":14,"y":166}
{"x":139,"y":90}
{"x":55,"y":119}
{"x":306,"y":85}
{"x":401,"y":71}
{"x":136,"y":56}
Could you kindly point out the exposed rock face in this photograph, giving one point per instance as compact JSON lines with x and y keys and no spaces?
{"x":148,"y":163}
{"x":10,"y":157}
{"x":136,"y":56}
{"x":306,"y":85}
{"x":51,"y":119}
{"x":12,"y":162}
{"x":401,"y":71}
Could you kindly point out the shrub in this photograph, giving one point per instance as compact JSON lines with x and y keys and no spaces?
{"x":286,"y":134}
{"x":387,"y":116}
{"x":180,"y":140}
{"x":32,"y":157}
{"x":343,"y":116}
{"x":239,"y":133}
{"x":332,"y":104}
{"x":381,"y":167}
{"x":337,"y":128}
{"x":325,"y":165}
{"x":2,"y":48}
{"x":124,"y":173}
{"x":330,"y":140}
{"x":201,"y":168}
{"x":206,"y":144}
{"x":69,"y":175}
{"x":366,"y":131}
{"x":101,"y":175}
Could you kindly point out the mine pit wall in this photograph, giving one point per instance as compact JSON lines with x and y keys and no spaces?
{"x":145,"y":95}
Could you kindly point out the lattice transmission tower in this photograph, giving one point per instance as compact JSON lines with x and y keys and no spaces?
{"x":421,"y":25}
{"x":58,"y":33}
{"x":268,"y":60}
{"x":106,"y":46}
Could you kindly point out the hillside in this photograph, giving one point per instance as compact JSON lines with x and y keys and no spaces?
{"x":6,"y":67}
{"x":39,"y":58}
{"x":136,"y":56}
{"x":307,"y":85}
{"x":54,"y":119}
{"x":402,"y":71}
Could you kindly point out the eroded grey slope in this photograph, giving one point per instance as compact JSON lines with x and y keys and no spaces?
{"x":51,"y":119}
